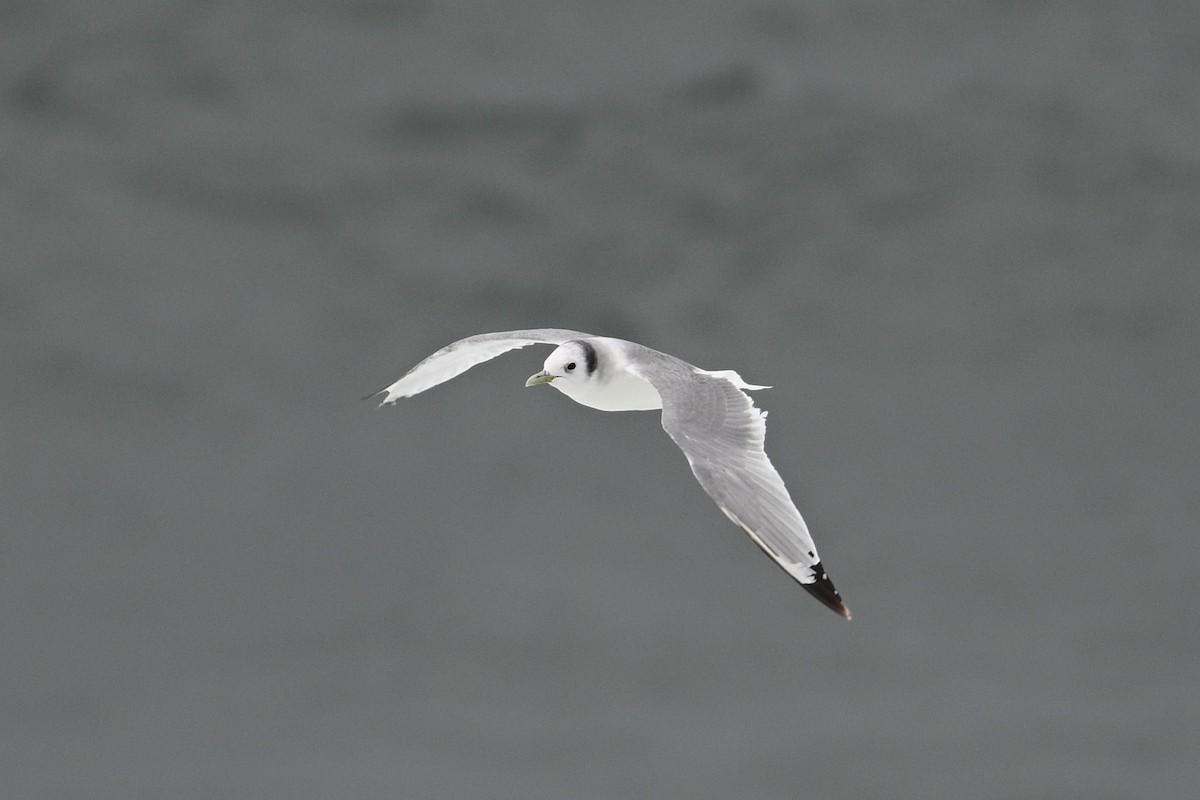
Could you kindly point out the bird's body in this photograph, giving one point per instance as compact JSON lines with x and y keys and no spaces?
{"x":708,"y":414}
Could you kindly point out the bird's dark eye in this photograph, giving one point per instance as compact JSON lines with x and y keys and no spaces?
{"x":570,"y":366}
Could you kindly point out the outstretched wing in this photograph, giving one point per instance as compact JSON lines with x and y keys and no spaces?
{"x":721,"y":432}
{"x":459,"y":357}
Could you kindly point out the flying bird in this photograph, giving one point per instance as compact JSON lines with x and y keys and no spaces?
{"x":708,"y":414}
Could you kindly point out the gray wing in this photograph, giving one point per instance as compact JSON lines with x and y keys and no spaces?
{"x":721,"y":432}
{"x":457,"y":358}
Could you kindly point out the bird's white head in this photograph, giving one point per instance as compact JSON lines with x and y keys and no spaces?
{"x":570,"y":368}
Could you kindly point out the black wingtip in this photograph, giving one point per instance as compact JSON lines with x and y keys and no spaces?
{"x":373,"y":395}
{"x":822,"y":589}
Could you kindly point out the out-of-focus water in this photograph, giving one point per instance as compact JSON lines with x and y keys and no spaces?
{"x":961,"y":242}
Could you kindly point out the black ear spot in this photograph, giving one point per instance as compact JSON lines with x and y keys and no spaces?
{"x":570,"y":366}
{"x":589,"y":354}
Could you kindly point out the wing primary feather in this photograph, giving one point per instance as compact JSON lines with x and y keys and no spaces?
{"x":822,"y":589}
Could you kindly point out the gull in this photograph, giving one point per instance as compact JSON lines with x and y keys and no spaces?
{"x":708,"y":414}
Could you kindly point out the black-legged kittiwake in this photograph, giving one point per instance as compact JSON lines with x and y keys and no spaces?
{"x":708,"y":414}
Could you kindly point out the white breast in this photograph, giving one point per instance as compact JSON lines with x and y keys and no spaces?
{"x":624,"y":391}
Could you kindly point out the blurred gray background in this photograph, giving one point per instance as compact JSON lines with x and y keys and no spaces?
{"x":961,"y":240}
